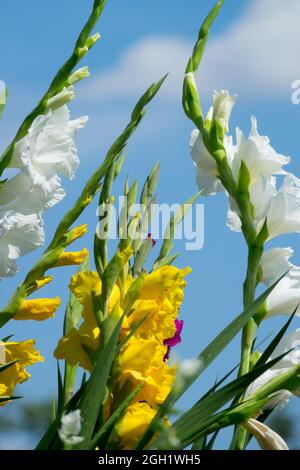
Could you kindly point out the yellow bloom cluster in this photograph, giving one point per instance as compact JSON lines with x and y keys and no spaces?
{"x":25,"y":355}
{"x":142,"y":359}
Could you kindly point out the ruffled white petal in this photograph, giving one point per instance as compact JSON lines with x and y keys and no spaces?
{"x":206,"y":166}
{"x":284,"y":213}
{"x":45,"y":153}
{"x":265,"y":436}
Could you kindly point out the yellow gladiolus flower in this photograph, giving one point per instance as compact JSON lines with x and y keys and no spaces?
{"x":70,"y":348}
{"x":69,"y":258}
{"x":142,"y":361}
{"x":25,"y":354}
{"x":38,"y":309}
{"x":159,"y":300}
{"x":133,"y":424}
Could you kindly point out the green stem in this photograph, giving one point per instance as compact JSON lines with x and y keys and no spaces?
{"x":248,"y":335}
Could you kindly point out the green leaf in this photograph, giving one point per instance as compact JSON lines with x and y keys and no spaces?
{"x":133,"y":330}
{"x":7,"y":338}
{"x":96,"y":387}
{"x":4,"y":367}
{"x":4,"y":398}
{"x":112,"y":272}
{"x":272,"y":346}
{"x":165,"y":261}
{"x":230,"y":417}
{"x":188,"y":427}
{"x":113,"y":419}
{"x":133,"y":293}
{"x":60,"y":389}
{"x":206,"y":357}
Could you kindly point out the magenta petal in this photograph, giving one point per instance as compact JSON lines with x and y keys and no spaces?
{"x":176,"y":339}
{"x":179,"y":326}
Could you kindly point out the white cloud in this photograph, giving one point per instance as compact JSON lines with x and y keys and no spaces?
{"x":141,"y":64}
{"x":258,"y":54}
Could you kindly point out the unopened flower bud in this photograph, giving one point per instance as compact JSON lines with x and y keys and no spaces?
{"x":62,"y":98}
{"x":78,"y":75}
{"x":92,"y":40}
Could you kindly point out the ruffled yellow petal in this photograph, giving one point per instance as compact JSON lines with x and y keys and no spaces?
{"x":135,"y":359}
{"x":69,"y":258}
{"x":158,"y":384}
{"x":70,"y":349}
{"x":83,"y":284}
{"x":133,"y":424}
{"x":38,"y":309}
{"x":142,"y":360}
{"x":159,"y":319}
{"x":26,"y":355}
{"x":89,"y":335}
{"x":166,"y":282}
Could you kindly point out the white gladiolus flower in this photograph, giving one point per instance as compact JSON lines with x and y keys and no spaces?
{"x":290,"y":343}
{"x":285,"y":296}
{"x":206,"y":166}
{"x":19,"y":234}
{"x":261,"y":191}
{"x":223,"y":104}
{"x":70,"y":428}
{"x":49,"y":148}
{"x":38,"y":198}
{"x":207,"y":174}
{"x":262,"y":162}
{"x":275,"y":263}
{"x":45,"y":153}
{"x":283,"y":215}
{"x":258,"y":155}
{"x":265,"y":436}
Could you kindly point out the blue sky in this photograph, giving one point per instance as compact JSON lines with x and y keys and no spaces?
{"x":253,"y":51}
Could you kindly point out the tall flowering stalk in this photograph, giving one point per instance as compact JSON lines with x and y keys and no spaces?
{"x":246,"y":170}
